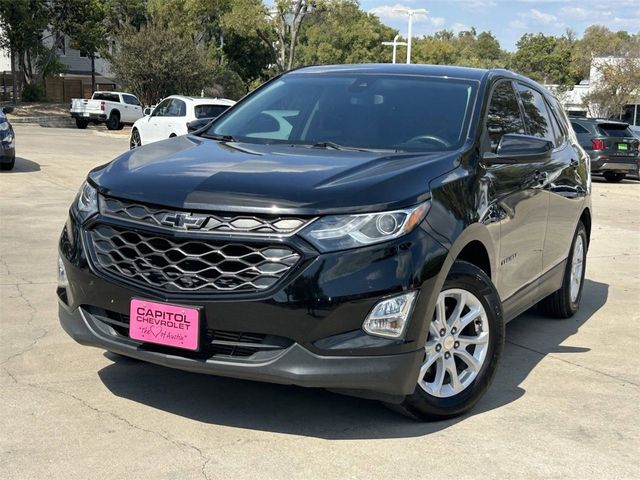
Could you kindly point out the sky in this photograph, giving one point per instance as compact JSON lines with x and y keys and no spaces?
{"x":509,"y":20}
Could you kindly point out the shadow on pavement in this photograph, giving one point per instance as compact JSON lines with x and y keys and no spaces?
{"x":23,"y":166}
{"x":321,"y":414}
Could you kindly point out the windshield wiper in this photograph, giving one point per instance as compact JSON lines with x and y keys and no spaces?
{"x":337,"y":146}
{"x":220,"y":138}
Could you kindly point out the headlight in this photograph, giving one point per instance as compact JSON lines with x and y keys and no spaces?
{"x":6,"y":134}
{"x":4,"y":126}
{"x":339,"y":232}
{"x":86,"y":203}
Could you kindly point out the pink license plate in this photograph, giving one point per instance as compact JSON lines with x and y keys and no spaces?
{"x":165,"y":324}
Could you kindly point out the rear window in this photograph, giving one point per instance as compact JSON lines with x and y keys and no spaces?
{"x":209,"y":111}
{"x":578,"y":128}
{"x":614,"y":130}
{"x":107,"y":97}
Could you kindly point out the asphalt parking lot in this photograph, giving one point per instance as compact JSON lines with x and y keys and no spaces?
{"x":565,"y":402}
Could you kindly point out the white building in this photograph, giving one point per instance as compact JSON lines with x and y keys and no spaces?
{"x":573,"y":99}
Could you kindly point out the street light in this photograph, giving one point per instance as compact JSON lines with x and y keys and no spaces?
{"x":411,"y":13}
{"x":395,"y":44}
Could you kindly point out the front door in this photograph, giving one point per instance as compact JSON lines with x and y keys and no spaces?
{"x":518,"y":196}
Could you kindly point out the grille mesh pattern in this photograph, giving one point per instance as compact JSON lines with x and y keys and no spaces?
{"x":189,"y":265}
{"x":204,"y":222}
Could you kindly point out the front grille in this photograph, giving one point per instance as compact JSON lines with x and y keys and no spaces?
{"x":216,"y":343}
{"x":188,"y":265}
{"x":238,"y":224}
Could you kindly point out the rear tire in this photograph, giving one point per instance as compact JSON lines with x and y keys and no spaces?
{"x":448,"y":384}
{"x":565,"y":302}
{"x":614,"y":177}
{"x":113,"y":121}
{"x":81,"y":123}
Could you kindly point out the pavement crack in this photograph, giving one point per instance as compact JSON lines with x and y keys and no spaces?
{"x":546,"y":354}
{"x":165,"y":436}
{"x":43,"y":332}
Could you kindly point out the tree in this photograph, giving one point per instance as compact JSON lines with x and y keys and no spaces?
{"x":340,"y":32}
{"x":155,"y":62}
{"x":84,"y":22}
{"x":616,"y":84}
{"x":599,"y":41}
{"x":467,"y":48}
{"x":545,"y":58}
{"x":23,"y":24}
{"x":278,"y":27}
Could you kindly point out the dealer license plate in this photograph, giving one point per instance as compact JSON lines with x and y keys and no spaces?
{"x":623,"y":146}
{"x":164,"y":324}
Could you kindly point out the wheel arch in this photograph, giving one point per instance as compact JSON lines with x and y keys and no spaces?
{"x":476,"y":246}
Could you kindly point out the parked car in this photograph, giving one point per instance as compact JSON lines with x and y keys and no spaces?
{"x":612,"y":146}
{"x":375,"y":248}
{"x":7,"y":140}
{"x":115,"y":109}
{"x":172,"y":116}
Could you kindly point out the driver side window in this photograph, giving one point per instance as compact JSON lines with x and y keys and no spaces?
{"x":161,"y":109}
{"x":504,"y":114}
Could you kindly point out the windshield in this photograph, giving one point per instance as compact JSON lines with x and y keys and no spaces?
{"x":387,"y":112}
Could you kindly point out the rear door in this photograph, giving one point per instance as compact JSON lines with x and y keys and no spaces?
{"x":518,"y":195}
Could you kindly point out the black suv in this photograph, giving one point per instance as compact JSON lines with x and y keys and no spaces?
{"x":611,"y":145}
{"x":368,"y":229}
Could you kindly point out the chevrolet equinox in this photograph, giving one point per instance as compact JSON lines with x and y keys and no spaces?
{"x":368,"y":229}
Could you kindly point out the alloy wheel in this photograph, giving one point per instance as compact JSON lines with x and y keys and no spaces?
{"x":135,"y":140}
{"x":577,"y":266}
{"x":457,"y":344}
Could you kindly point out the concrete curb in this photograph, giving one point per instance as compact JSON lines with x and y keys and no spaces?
{"x":52,"y":122}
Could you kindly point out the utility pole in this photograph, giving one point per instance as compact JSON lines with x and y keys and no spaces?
{"x":395,"y":44}
{"x":411,"y":13}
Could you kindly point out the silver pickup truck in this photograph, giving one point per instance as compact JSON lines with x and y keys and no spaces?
{"x":113,"y":108}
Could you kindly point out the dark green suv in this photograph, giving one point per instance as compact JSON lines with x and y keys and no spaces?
{"x":611,"y":145}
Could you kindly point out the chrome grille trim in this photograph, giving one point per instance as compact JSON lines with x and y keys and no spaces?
{"x":188,"y":264}
{"x":220,"y":223}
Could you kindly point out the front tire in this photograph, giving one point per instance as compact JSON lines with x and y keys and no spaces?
{"x":565,"y":302}
{"x":614,"y":177}
{"x":463,"y":347}
{"x":134,"y":140}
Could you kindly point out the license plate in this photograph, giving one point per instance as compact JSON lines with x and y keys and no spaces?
{"x":85,"y":114}
{"x":623,"y":146}
{"x":164,"y":324}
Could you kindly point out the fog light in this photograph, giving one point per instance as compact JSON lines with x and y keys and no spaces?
{"x":62,"y":274}
{"x":389,"y":317}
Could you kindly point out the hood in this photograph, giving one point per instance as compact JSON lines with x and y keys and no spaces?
{"x":193,"y":173}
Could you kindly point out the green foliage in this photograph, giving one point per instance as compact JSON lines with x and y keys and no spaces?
{"x":226,"y":83}
{"x":155,"y":62}
{"x":340,"y":32}
{"x":467,"y":48}
{"x":84,"y":22}
{"x":22,"y":26}
{"x":33,"y":92}
{"x":545,"y":58}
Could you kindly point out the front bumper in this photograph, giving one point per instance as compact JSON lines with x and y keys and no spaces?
{"x":390,"y":375}
{"x":319,"y":309}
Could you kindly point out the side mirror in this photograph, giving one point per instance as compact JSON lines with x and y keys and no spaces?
{"x":8,"y":109}
{"x":514,"y":148}
{"x":147,"y":111}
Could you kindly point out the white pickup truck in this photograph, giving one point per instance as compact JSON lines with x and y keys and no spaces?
{"x":113,"y":108}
